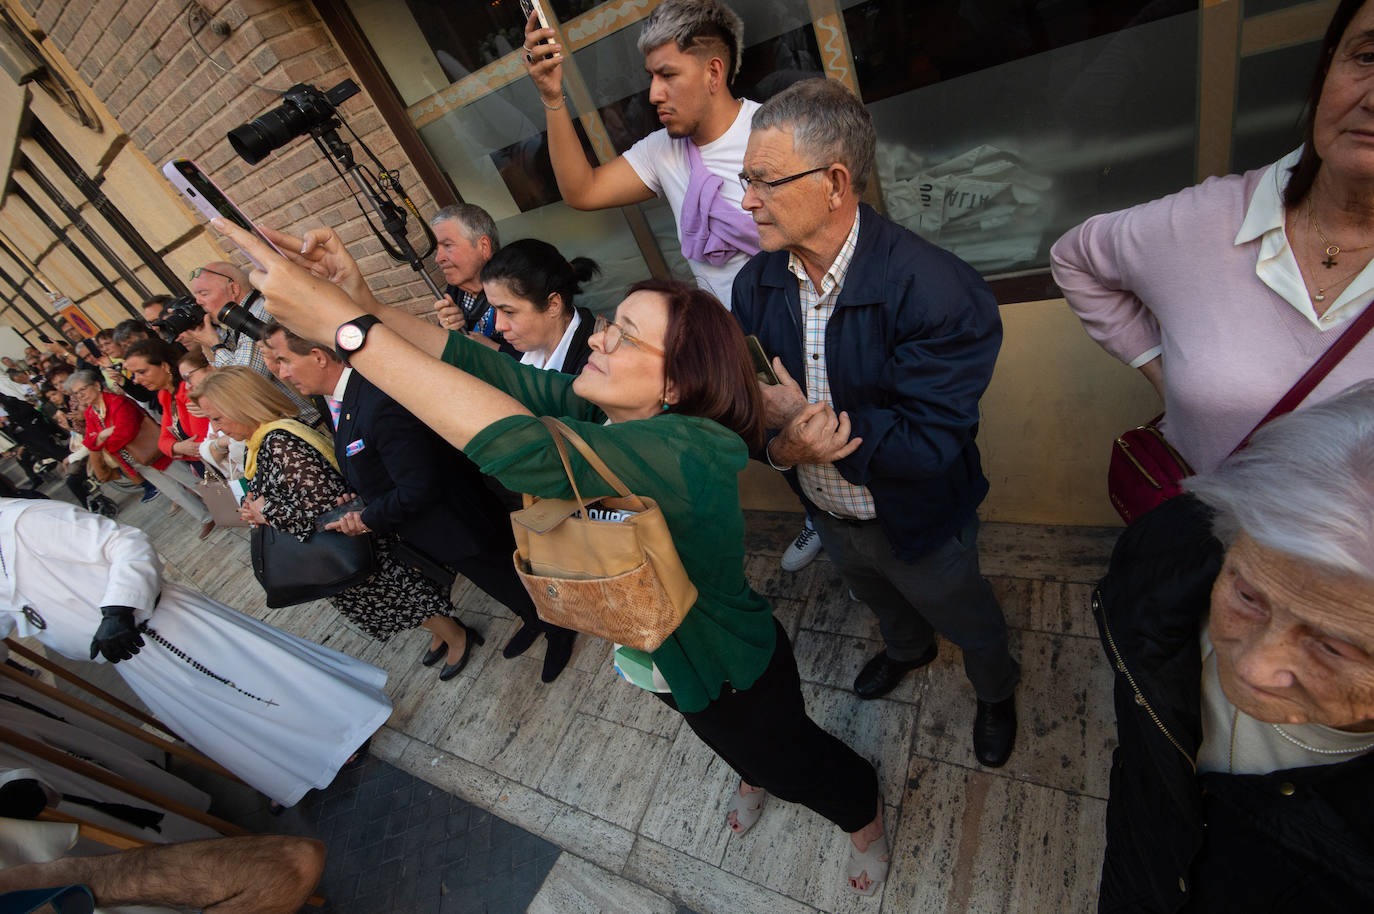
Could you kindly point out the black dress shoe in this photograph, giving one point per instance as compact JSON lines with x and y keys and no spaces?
{"x":453,"y":669}
{"x":994,"y":732}
{"x":557,"y":652}
{"x":520,"y":641}
{"x":882,"y":674}
{"x":434,"y":656}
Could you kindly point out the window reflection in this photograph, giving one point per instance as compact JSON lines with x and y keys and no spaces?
{"x":994,"y":164}
{"x":1270,"y":94}
{"x":467,"y":36}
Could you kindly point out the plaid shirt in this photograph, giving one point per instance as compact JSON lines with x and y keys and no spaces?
{"x":246,"y":351}
{"x":821,"y":482}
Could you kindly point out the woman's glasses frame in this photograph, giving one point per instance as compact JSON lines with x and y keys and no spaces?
{"x":612,"y":333}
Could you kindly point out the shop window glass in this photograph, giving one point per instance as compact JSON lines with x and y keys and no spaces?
{"x":1271,"y":89}
{"x":1000,"y":129}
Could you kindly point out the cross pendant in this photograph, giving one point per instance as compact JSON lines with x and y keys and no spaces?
{"x":1329,"y":262}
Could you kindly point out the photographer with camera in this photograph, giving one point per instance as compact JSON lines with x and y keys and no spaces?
{"x":226,"y":321}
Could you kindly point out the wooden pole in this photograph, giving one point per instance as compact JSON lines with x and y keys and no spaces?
{"x":105,"y":717}
{"x":99,"y":833}
{"x":63,"y":673}
{"x":96,"y":773}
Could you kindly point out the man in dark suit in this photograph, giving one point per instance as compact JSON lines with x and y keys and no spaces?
{"x":416,"y":487}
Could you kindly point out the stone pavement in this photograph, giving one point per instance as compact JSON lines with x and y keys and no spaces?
{"x":636,"y":802}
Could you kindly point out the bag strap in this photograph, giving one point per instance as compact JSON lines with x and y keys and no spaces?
{"x":1338,"y":350}
{"x":560,"y":431}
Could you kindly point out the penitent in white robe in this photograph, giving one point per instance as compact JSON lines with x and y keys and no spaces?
{"x":280,"y":712}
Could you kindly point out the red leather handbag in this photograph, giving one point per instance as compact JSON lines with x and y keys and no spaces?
{"x":1145,"y":470}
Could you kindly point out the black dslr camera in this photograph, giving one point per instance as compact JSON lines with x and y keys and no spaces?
{"x":304,"y":109}
{"x":182,"y":314}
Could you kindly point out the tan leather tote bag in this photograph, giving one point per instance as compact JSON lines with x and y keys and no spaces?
{"x":620,"y":580}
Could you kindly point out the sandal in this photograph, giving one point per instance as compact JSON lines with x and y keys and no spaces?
{"x":871,"y":862}
{"x":746,"y":809}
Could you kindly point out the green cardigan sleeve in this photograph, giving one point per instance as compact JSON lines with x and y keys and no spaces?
{"x":544,"y":393}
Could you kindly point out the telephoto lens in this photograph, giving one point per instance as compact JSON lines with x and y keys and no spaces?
{"x":304,"y":109}
{"x":241,"y":320}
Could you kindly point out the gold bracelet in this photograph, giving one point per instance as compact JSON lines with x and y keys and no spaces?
{"x":561,"y":102}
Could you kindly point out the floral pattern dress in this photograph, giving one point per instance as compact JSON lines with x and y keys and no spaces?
{"x":297,"y":485}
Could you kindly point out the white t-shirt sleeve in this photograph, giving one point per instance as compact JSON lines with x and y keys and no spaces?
{"x":646,"y":156}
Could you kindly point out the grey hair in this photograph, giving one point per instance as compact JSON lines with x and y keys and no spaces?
{"x":473,"y":220}
{"x":1304,"y":486}
{"x":685,"y":22}
{"x":83,"y":376}
{"x":828,"y":124}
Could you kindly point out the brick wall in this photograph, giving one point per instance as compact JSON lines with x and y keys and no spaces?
{"x":174,"y":99}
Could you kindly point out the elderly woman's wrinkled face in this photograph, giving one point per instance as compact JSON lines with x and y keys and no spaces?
{"x":1343,"y":124}
{"x":1294,"y":642}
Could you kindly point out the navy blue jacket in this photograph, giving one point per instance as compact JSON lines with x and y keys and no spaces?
{"x":909,"y":349}
{"x":415,"y":484}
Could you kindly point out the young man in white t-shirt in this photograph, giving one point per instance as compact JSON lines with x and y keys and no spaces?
{"x":691,"y":51}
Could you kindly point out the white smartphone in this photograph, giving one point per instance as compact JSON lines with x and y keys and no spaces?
{"x":534,"y":6}
{"x":205,"y":195}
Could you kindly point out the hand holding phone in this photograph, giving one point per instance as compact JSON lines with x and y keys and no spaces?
{"x":763,"y":366}
{"x":333,"y":515}
{"x":537,"y":8}
{"x":209,"y":200}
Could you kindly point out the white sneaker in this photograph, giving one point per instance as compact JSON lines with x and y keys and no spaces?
{"x":803,"y":549}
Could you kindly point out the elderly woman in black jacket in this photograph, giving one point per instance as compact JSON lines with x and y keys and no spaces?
{"x":1240,"y":621}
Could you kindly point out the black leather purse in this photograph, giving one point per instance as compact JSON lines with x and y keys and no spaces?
{"x":292,"y":571}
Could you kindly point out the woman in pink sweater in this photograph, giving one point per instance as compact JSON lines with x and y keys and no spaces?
{"x":1224,"y":294}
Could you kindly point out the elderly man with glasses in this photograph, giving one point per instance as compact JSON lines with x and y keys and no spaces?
{"x":892,"y":342}
{"x":214,"y":286}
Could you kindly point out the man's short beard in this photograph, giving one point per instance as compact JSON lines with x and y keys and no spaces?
{"x":678,"y":133}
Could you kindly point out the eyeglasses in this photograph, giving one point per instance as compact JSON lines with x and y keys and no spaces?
{"x":199,"y":270}
{"x":613,"y":333}
{"x":763,"y":188}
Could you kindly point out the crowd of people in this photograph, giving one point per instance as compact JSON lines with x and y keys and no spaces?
{"x":1239,"y":617}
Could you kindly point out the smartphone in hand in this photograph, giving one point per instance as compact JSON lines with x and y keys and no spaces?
{"x":205,"y":195}
{"x":763,"y":366}
{"x":534,"y":6}
{"x":334,"y":514}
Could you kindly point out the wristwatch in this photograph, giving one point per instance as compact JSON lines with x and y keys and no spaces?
{"x":352,"y":335}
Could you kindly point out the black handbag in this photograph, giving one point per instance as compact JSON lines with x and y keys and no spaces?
{"x":292,"y":571}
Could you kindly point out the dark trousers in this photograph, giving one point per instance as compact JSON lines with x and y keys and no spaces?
{"x":764,"y":733}
{"x":942,"y":591}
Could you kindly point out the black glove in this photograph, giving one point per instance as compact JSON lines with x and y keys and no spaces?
{"x":117,"y":638}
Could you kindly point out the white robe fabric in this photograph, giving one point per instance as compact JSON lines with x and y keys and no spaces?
{"x":280,"y":712}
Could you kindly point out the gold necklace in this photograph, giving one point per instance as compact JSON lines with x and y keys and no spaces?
{"x":1332,"y":248}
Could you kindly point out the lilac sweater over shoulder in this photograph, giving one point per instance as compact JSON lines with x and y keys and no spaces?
{"x":1167,"y":273}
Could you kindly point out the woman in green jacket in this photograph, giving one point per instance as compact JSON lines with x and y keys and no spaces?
{"x":668,"y":400}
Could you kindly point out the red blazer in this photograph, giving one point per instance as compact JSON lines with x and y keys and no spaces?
{"x":195,"y":427}
{"x":126,"y":417}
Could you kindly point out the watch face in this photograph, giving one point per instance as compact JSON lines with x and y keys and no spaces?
{"x":350,"y":338}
